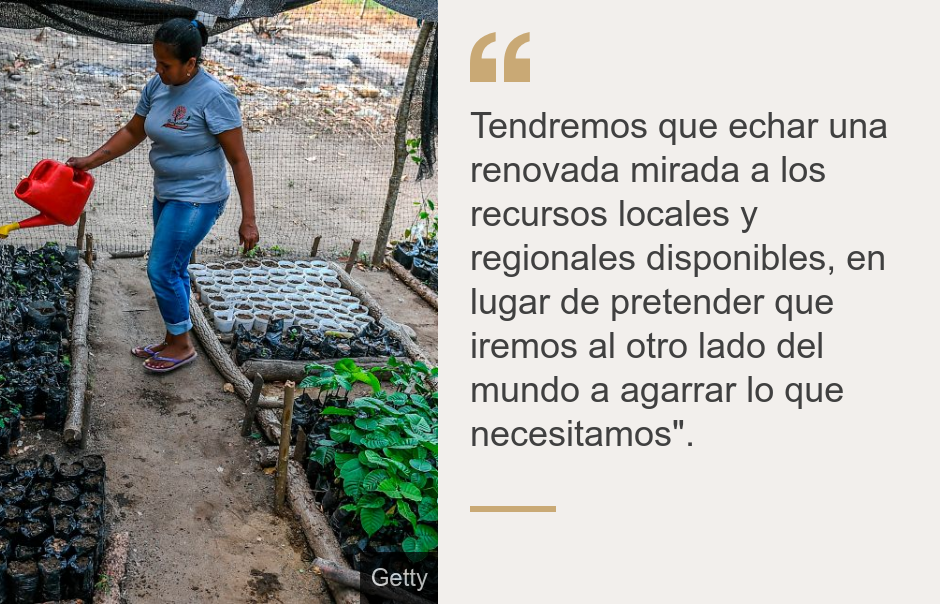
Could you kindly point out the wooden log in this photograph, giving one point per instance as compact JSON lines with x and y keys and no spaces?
{"x":251,"y":405}
{"x":280,"y":490}
{"x":351,"y":262}
{"x":351,"y":578}
{"x":317,"y":529}
{"x":424,"y":292}
{"x":316,"y":246}
{"x":300,"y":446}
{"x":113,"y":568}
{"x":89,"y":249}
{"x":270,"y":424}
{"x":80,"y":242}
{"x":74,"y":428}
{"x":120,"y":255}
{"x":281,"y":371}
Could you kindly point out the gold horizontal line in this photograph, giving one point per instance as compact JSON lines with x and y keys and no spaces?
{"x":512,"y":508}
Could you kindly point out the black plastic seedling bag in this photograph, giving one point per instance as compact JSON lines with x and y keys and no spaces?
{"x":57,"y":408}
{"x":63,"y":527}
{"x":305,"y":414}
{"x":52,"y":572}
{"x":34,"y":533}
{"x":6,"y":472}
{"x":83,"y":545}
{"x":23,"y":581}
{"x":71,"y":471}
{"x":29,"y":393}
{"x":58,"y":510}
{"x":92,"y":499}
{"x":80,"y":580}
{"x":6,"y":351}
{"x":67,"y":493}
{"x":89,"y":528}
{"x":88,"y":511}
{"x":57,"y":547}
{"x":4,"y":596}
{"x":26,"y":467}
{"x":26,"y":552}
{"x":93,"y":484}
{"x":47,"y":468}
{"x":93,"y":464}
{"x":41,"y":313}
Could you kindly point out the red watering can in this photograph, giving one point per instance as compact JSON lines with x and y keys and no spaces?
{"x":58,"y":191}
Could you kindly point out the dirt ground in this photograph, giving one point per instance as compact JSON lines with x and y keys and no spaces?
{"x":181,"y":479}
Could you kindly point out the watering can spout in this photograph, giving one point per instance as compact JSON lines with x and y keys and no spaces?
{"x":7,"y":228}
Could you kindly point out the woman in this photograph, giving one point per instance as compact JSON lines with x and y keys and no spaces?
{"x":195,"y":125}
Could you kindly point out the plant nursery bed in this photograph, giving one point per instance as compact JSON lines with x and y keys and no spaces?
{"x":290,"y":310}
{"x":43,"y":341}
{"x":52,"y":533}
{"x":371,"y":463}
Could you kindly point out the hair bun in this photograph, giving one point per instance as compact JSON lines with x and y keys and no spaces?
{"x":203,"y":32}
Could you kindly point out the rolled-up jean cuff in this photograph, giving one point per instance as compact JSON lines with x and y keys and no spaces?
{"x":177,"y":329}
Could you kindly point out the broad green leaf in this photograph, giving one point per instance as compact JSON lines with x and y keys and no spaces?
{"x":337,"y":411}
{"x":365,"y":403}
{"x":427,"y":537}
{"x":419,"y":479}
{"x":373,"y":479}
{"x":398,"y":398}
{"x":407,"y":513}
{"x":374,"y":458}
{"x":418,"y":423}
{"x":366,"y":423}
{"x":421,"y":465}
{"x":323,"y":455}
{"x":341,"y":459}
{"x":410,"y":491}
{"x":371,"y":380}
{"x":327,"y":443}
{"x":372,"y":500}
{"x":427,"y":509}
{"x":352,"y":468}
{"x":349,"y":507}
{"x":372,"y":519}
{"x":345,"y":365}
{"x":375,"y":441}
{"x":389,"y":486}
{"x":401,"y":467}
{"x":341,"y":432}
{"x":308,"y":382}
{"x":343,"y":381}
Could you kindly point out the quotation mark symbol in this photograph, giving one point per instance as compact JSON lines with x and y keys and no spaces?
{"x":484,"y":70}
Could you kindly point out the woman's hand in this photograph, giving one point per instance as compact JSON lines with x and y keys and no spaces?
{"x":248,"y":235}
{"x":79,"y":163}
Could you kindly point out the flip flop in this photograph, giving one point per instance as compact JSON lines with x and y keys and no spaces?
{"x":145,"y":352}
{"x":177,"y":363}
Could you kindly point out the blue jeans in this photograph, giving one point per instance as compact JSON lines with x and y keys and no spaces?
{"x":178,"y":227}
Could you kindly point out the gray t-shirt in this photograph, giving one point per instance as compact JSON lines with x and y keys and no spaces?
{"x":183,"y":121}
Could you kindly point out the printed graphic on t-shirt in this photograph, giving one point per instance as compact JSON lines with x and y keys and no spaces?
{"x":178,"y":119}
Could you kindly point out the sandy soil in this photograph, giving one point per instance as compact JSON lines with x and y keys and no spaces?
{"x":182,"y":480}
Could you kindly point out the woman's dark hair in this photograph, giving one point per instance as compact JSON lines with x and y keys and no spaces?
{"x":186,"y":38}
